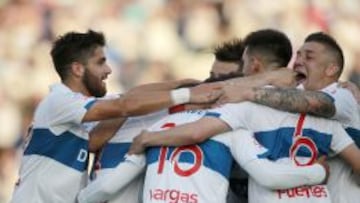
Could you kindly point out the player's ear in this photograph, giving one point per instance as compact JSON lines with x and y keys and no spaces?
{"x":255,"y":64}
{"x":332,"y":70}
{"x":77,"y":69}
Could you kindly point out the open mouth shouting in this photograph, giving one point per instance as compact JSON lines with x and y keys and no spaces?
{"x":300,"y":76}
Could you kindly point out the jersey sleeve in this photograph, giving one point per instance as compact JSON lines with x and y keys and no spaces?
{"x":340,"y":139}
{"x":245,"y":149}
{"x":103,"y":188}
{"x":70,"y":108}
{"x":345,"y":104}
{"x":235,"y":115}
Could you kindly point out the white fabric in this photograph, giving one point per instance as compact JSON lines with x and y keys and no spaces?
{"x":53,"y":168}
{"x":200,"y":184}
{"x":345,"y":104}
{"x":180,"y":96}
{"x":199,"y":173}
{"x":342,"y":181}
{"x":113,"y":164}
{"x":246,"y":115}
{"x":108,"y":185}
{"x":245,"y":149}
{"x":275,"y":131}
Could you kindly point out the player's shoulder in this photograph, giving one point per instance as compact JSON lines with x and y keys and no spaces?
{"x":239,"y":108}
{"x":337,"y":92}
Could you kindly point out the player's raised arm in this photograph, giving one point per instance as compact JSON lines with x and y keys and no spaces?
{"x":137,"y":103}
{"x":286,"y":99}
{"x":186,"y":134}
{"x":215,"y":121}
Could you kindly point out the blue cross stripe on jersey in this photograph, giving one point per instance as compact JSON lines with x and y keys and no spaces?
{"x":66,"y":148}
{"x":90,"y":104}
{"x":354,"y":134}
{"x":217,"y":156}
{"x":279,"y":141}
{"x":113,"y":154}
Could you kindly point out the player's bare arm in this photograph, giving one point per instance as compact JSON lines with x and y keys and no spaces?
{"x":351,"y":155}
{"x":293,"y":100}
{"x":285,"y":99}
{"x":187,"y":134}
{"x":280,"y":78}
{"x":103,"y":132}
{"x":139,"y":103}
{"x":282,"y":97}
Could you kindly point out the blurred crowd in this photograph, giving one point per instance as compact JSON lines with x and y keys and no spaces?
{"x":148,"y":40}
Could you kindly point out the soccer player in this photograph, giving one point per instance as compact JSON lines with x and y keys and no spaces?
{"x":227,"y":64}
{"x":227,"y":60}
{"x":320,"y":62}
{"x":55,"y":159}
{"x":278,"y":146}
{"x":103,"y":188}
{"x":200,"y":173}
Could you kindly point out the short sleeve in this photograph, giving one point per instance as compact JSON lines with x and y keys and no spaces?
{"x":235,"y":115}
{"x":344,"y":102}
{"x":341,"y":139}
{"x":69,"y":108}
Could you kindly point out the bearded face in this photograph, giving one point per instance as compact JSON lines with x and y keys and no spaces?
{"x":94,"y":84}
{"x":95,"y":74}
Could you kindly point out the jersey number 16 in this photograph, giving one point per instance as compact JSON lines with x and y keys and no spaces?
{"x":174,"y":157}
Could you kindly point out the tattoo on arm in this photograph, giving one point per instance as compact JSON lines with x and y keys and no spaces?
{"x":296,"y":101}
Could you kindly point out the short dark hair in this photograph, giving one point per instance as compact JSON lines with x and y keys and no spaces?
{"x":223,"y":77}
{"x":273,"y":45}
{"x":74,"y":47}
{"x":331,"y":45}
{"x":230,"y":51}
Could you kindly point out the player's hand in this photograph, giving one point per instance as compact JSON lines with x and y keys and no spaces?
{"x":323,"y":163}
{"x":138,"y":146}
{"x":353,"y":88}
{"x":234,"y":94}
{"x":205,"y":93}
{"x":283,"y":77}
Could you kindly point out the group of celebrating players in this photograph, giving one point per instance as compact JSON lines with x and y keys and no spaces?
{"x":294,"y":132}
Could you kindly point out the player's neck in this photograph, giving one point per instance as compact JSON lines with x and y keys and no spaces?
{"x":76,"y":86}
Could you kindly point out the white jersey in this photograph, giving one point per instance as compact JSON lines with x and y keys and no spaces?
{"x":342,"y":185}
{"x":289,"y":139}
{"x":53,"y":168}
{"x":199,"y":173}
{"x":192,"y":174}
{"x":114,"y":152}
